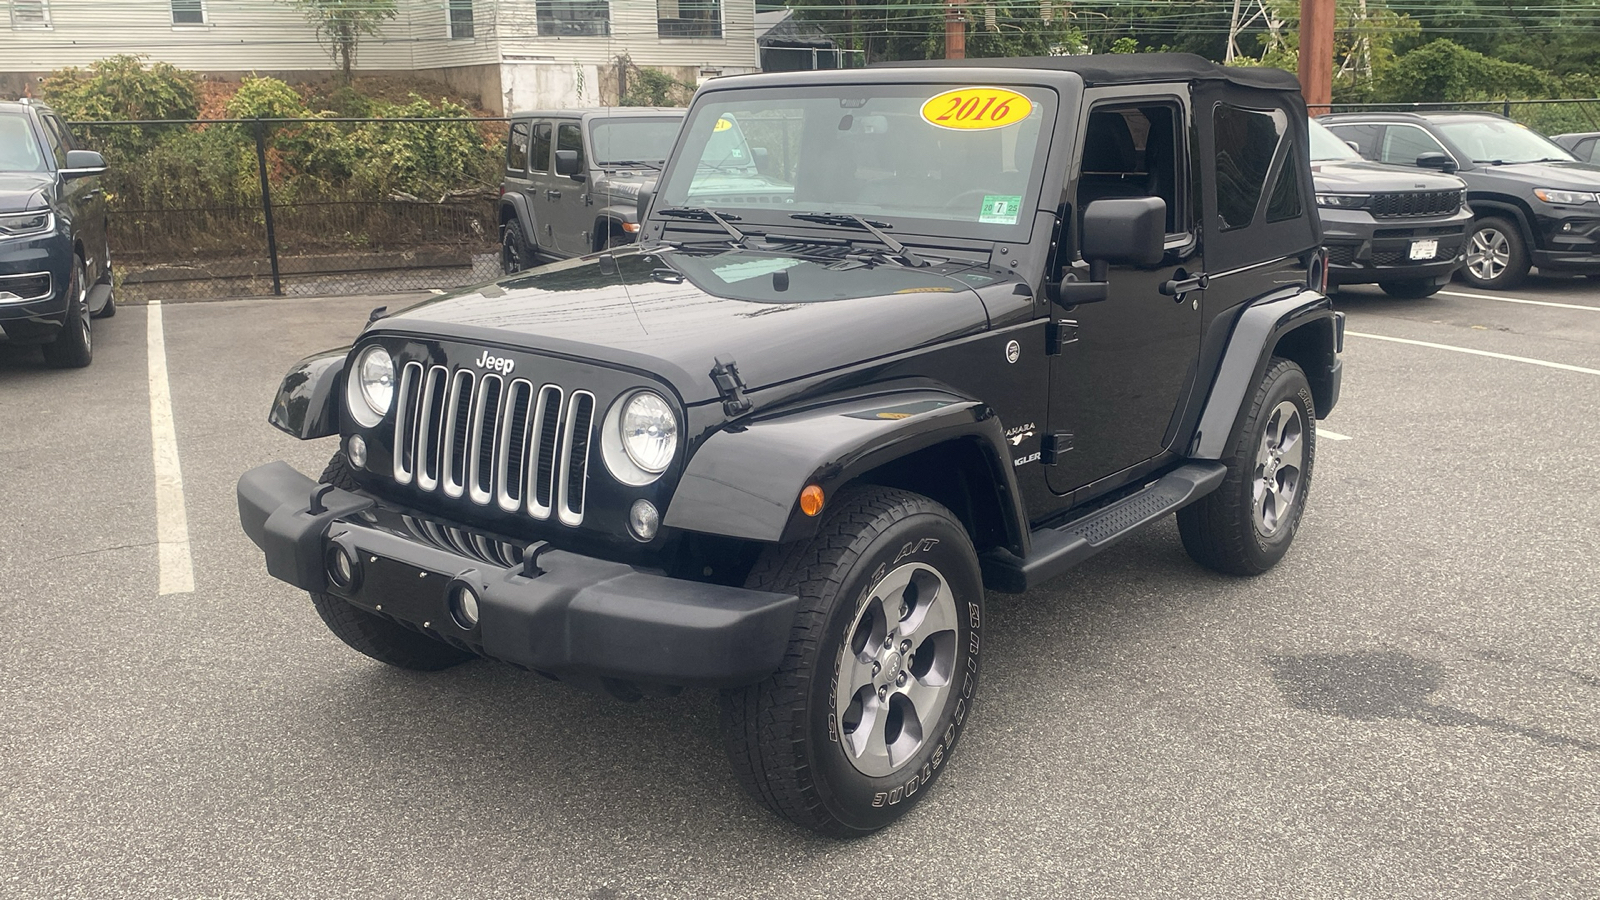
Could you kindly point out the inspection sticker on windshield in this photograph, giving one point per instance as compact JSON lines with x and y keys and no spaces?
{"x":999,"y":209}
{"x":723,"y":125}
{"x":976,"y":108}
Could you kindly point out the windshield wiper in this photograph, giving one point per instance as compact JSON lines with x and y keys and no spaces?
{"x":706,"y":215}
{"x":627,"y":163}
{"x":850,"y":220}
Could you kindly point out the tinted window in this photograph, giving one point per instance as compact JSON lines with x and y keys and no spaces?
{"x":539,"y":153}
{"x":517,"y":148}
{"x":1285,"y":201}
{"x":1365,"y":137}
{"x":19,"y":150}
{"x":58,"y":147}
{"x":1402,"y":144}
{"x":568,"y":137}
{"x":1589,"y":151}
{"x":1246,"y":141}
{"x":1134,"y":152}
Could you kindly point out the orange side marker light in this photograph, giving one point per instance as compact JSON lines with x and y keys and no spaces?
{"x":811,"y":500}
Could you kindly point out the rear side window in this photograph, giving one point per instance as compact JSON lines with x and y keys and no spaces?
{"x":517,"y":148}
{"x":1247,"y":141}
{"x":569,"y":137}
{"x":539,"y":148}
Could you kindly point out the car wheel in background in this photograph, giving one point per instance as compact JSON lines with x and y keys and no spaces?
{"x":1497,"y":257}
{"x":73,"y":348}
{"x":515,"y":253}
{"x":1411,"y":288}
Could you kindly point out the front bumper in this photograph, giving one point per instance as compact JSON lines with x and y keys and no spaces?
{"x":1568,"y":239}
{"x":572,"y":616}
{"x":21,"y":262}
{"x":1365,"y":250}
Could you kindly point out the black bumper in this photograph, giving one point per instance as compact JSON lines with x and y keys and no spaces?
{"x":1567,"y":261}
{"x":577,"y":617}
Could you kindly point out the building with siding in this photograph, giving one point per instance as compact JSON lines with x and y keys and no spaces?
{"x":511,"y":54}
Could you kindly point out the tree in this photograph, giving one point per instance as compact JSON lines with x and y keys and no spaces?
{"x":342,"y":24}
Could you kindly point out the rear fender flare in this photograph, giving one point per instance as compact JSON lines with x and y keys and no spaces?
{"x":307,"y":405}
{"x":745,"y":481}
{"x":1261,"y":328}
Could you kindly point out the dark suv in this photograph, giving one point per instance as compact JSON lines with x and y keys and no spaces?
{"x":1533,"y":203}
{"x":573,"y":178}
{"x":55,"y":260}
{"x":985,"y":321}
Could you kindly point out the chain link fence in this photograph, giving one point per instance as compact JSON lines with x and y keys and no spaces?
{"x":1548,"y":117}
{"x":300,"y":207}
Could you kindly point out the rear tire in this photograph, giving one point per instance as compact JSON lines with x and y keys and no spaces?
{"x":73,"y":348}
{"x":516,"y":255}
{"x":1497,"y":256}
{"x":878,"y":679}
{"x":1411,"y":289}
{"x":383,"y":640}
{"x":1247,"y":525}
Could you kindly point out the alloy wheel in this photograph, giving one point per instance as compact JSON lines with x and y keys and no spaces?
{"x":1489,"y":253}
{"x":1280,"y":467}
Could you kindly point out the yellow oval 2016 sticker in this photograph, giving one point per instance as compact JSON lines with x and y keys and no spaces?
{"x":976,"y":108}
{"x":723,"y":125}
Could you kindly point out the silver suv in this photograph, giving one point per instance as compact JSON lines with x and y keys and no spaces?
{"x":573,"y":178}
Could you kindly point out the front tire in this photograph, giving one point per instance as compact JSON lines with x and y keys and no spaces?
{"x":1497,"y":256}
{"x":1411,"y":288}
{"x":73,"y":348}
{"x":882,"y":664}
{"x":1247,"y":525}
{"x":383,"y":640}
{"x":516,"y":254}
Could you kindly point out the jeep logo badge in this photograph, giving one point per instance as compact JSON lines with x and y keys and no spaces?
{"x":500,"y":363}
{"x":1013,"y":352}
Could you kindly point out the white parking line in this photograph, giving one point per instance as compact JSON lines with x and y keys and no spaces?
{"x":1521,"y":300}
{"x":1521,"y":359}
{"x":172,"y":521}
{"x":1331,"y":435}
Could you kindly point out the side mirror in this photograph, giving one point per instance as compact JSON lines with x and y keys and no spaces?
{"x":567,"y":163}
{"x":83,"y":163}
{"x":641,"y":204}
{"x":1353,"y":146}
{"x":1130,"y":232}
{"x":1434,"y":159}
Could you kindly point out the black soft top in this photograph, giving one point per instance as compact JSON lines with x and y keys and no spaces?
{"x":1131,"y":68}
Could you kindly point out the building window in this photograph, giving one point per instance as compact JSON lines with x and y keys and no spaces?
{"x":560,"y":18}
{"x":689,"y":18}
{"x":461,"y":19}
{"x":188,"y":12}
{"x":30,"y":14}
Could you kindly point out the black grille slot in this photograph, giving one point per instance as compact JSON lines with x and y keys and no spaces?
{"x":430,"y":428}
{"x":485,"y":432}
{"x":514,"y":444}
{"x":1414,"y":204}
{"x":549,"y":439}
{"x":575,"y":457}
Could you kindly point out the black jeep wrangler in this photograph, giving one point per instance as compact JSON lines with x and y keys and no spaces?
{"x":990,"y":319}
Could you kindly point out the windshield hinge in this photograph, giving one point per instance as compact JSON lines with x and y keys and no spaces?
{"x":730,"y":387}
{"x":1054,"y":446}
{"x":1058,"y":335}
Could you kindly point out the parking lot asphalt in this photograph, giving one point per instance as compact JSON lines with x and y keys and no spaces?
{"x":1408,"y":706}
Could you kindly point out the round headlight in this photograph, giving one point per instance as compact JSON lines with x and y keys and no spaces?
{"x":375,"y":375}
{"x":649,"y":431}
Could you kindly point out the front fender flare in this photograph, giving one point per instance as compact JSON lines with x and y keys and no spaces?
{"x":307,"y":405}
{"x":518,"y":205}
{"x":745,"y":481}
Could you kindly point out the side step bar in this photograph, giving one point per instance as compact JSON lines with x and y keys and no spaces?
{"x":1056,"y":550}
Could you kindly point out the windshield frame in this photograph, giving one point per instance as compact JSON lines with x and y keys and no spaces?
{"x":1444,"y":124}
{"x":1049,"y":97}
{"x":46,"y":159}
{"x":594,"y":145}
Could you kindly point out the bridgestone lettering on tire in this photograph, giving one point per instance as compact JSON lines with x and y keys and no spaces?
{"x":383,"y":640}
{"x":1247,"y":525}
{"x":881,"y":671}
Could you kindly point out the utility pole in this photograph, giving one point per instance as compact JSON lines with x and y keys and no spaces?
{"x":955,"y":29}
{"x":1316,"y":54}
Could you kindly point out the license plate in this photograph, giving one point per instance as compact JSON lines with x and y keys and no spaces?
{"x":1424,"y":249}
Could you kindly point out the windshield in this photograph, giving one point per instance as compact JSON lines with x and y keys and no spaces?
{"x":631,"y":139}
{"x":1498,"y":141}
{"x":19,"y":150}
{"x":1326,"y":146}
{"x":876,"y":151}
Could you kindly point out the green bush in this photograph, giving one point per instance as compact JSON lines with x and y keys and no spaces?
{"x":124,"y":88}
{"x":654,"y":87}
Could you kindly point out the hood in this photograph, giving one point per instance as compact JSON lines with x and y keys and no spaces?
{"x":674,"y":313}
{"x":1568,"y":174}
{"x":1364,"y":177}
{"x":21,"y":191}
{"x":624,"y":184}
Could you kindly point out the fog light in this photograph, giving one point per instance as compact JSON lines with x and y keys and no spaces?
{"x":643,"y":520}
{"x":464,"y":607}
{"x":341,"y":567}
{"x":357,"y":451}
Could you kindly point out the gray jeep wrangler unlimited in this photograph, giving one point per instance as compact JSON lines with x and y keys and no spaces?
{"x":973,"y":324}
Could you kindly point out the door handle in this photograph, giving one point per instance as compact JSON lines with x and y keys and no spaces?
{"x":1182,"y":283}
{"x":552,"y":195}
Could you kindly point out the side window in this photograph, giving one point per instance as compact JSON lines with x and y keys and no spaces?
{"x":1137,"y":151}
{"x":52,"y":137}
{"x":1402,"y":144}
{"x":1246,"y":142}
{"x":1586,"y":151}
{"x":1365,"y":137}
{"x":62,"y":134}
{"x":570,"y":137}
{"x":539,"y":151}
{"x":517,"y":148}
{"x":1285,"y":201}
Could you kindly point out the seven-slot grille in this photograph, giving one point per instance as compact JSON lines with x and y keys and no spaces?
{"x":511,"y":444}
{"x":1415,"y":203}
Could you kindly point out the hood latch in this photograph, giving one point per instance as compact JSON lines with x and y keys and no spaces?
{"x":730,"y":387}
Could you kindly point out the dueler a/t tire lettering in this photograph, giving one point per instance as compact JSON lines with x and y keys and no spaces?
{"x":783,"y":735}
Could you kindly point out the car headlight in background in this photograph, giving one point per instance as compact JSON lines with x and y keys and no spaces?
{"x":639,"y":438}
{"x":1565,"y":198}
{"x":1344,"y":201}
{"x":369,"y":387}
{"x":30,"y":224}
